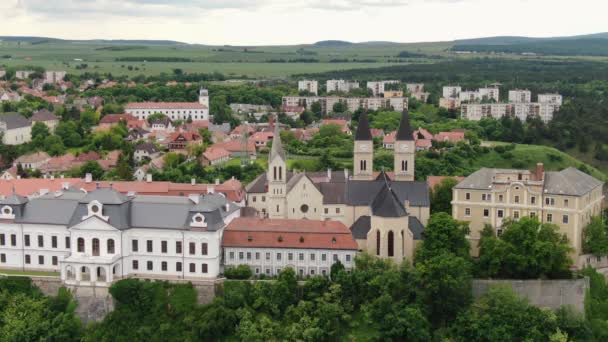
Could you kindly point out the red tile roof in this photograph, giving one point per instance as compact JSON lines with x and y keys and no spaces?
{"x":422,"y":132}
{"x":390,"y":138}
{"x":165,"y":105}
{"x":116,"y":118}
{"x":214,"y":153}
{"x":432,"y":181}
{"x":377,"y":132}
{"x":285,"y":233}
{"x":450,"y":136}
{"x":236,"y":146}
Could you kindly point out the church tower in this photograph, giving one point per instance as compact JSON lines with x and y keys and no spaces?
{"x":364,"y":151}
{"x":405,"y":150}
{"x":203,"y":97}
{"x":277,"y":178}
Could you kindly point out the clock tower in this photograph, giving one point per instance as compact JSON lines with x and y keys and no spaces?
{"x":405,"y":150}
{"x":364,"y":151}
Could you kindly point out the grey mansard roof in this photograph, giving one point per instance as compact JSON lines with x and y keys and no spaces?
{"x":157,"y":212}
{"x":570,"y":181}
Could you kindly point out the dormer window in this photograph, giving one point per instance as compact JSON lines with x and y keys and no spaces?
{"x":95,"y":209}
{"x":7,"y":212}
{"x":199,"y":221}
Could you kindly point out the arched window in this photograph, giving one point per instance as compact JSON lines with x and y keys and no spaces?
{"x":403,"y":244}
{"x":391,"y":244}
{"x":110,"y":246}
{"x":80,"y":245}
{"x":274,"y":169}
{"x":377,"y":242}
{"x":280,"y":173}
{"x":95,"y":247}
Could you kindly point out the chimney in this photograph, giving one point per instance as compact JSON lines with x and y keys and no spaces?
{"x":52,"y":177}
{"x":193,"y":181}
{"x":210,"y":189}
{"x":88,"y":178}
{"x":328,"y":174}
{"x":18,"y":177}
{"x":217,"y":181}
{"x":148,"y":178}
{"x":540,"y":171}
{"x":65,"y":185}
{"x":61,"y":176}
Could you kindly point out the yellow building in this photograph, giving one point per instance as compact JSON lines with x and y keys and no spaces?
{"x":568,"y":199}
{"x":393,"y":93}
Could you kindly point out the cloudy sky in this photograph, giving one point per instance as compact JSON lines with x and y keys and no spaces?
{"x":259,"y":22}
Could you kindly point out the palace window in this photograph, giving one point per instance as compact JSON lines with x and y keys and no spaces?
{"x":55,"y":261}
{"x":192,"y":268}
{"x":163,"y":266}
{"x":204,"y":268}
{"x":67,"y":242}
{"x":565,"y":219}
{"x":40,"y":241}
{"x":377,"y":242}
{"x":111,"y":248}
{"x":14,"y":240}
{"x":80,"y":247}
{"x":163,"y":247}
{"x":95,"y":247}
{"x":204,"y":248}
{"x":467,"y":211}
{"x":549,"y":217}
{"x":149,"y":246}
{"x":150,"y":265}
{"x":41,"y":259}
{"x":486,"y":213}
{"x":134,"y":245}
{"x":178,"y":247}
{"x":178,"y":266}
{"x":26,"y":239}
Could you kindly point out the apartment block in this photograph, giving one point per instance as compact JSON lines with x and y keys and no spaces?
{"x":352,"y":103}
{"x":378,"y":87}
{"x":550,"y":98}
{"x":567,"y":198}
{"x":341,"y":86}
{"x":520,"y":96}
{"x":309,"y":86}
{"x":451,"y":91}
{"x":414,"y":87}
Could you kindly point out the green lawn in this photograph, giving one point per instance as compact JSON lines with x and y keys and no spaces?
{"x":529,"y":155}
{"x":29,"y":273}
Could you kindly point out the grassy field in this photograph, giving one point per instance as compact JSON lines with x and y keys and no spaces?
{"x":529,"y":155}
{"x":230,"y":60}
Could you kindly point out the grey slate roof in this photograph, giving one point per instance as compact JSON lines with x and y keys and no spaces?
{"x":158,"y":212}
{"x":148,"y":147}
{"x":570,"y":181}
{"x":43,"y":115}
{"x":277,"y":145}
{"x":386,"y":203}
{"x":14,"y":120}
{"x":404,"y":133}
{"x":362,"y":226}
{"x":363,"y":132}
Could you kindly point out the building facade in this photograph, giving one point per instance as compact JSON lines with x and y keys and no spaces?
{"x":520,"y":96}
{"x":95,"y":238}
{"x":270,"y":245}
{"x":378,"y":87}
{"x":15,"y":129}
{"x":352,"y":103}
{"x":338,"y":196}
{"x":195,"y":111}
{"x":341,"y":86}
{"x":310,"y":86}
{"x":568,"y":198}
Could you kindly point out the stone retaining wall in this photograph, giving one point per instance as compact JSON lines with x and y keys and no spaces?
{"x":542,"y":293}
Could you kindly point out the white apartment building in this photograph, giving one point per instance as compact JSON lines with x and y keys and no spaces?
{"x":309,"y":85}
{"x":95,"y":238}
{"x":54,"y":76}
{"x":268,"y":246}
{"x":480,"y":94}
{"x":477,"y":111}
{"x":23,"y":74}
{"x":451,"y":91}
{"x":550,"y":98}
{"x":196,"y":111}
{"x":413,"y":88}
{"x":520,"y":96}
{"x":341,"y":86}
{"x":377,"y":87}
{"x":352,"y":103}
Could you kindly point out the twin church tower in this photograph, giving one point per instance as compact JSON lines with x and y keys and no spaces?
{"x":405,"y":151}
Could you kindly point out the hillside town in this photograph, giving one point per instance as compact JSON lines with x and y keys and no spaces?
{"x":106,"y":180}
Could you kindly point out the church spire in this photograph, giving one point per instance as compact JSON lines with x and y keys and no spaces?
{"x":405,"y":130}
{"x":277,"y":145}
{"x":363,"y":132}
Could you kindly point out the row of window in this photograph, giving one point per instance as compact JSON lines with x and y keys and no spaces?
{"x":500,"y":214}
{"x":164,"y":266}
{"x":301,"y":272}
{"x":164,"y":247}
{"x":279,"y":256}
{"x":167,"y":112}
{"x":516,"y":199}
{"x":27,"y":241}
{"x":28,"y":259}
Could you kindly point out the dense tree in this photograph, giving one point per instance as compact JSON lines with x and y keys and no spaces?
{"x":441,"y":196}
{"x":526,"y":249}
{"x":443,"y":234}
{"x":595,"y":237}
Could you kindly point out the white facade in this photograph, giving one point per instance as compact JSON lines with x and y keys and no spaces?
{"x":550,"y":98}
{"x":341,"y":85}
{"x":451,"y":91}
{"x":377,"y":87}
{"x":23,"y":74}
{"x":413,"y":88}
{"x":309,"y":85}
{"x":270,"y":261}
{"x":352,"y":103}
{"x":16,"y":136}
{"x":92,"y":251}
{"x":520,"y":96}
{"x":54,"y":76}
{"x":197,"y":111}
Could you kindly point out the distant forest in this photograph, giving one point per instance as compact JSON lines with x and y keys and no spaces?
{"x":571,"y":47}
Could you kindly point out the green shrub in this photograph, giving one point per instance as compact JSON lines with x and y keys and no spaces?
{"x":239,"y":272}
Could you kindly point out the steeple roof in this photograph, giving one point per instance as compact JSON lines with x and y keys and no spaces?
{"x":363,"y":132}
{"x":277,"y":145}
{"x":405,"y":130}
{"x":387,"y":204}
